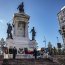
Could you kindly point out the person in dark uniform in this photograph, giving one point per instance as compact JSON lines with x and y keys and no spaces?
{"x":14,"y":52}
{"x":35,"y":53}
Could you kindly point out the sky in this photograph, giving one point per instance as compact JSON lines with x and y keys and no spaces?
{"x":43,"y":16}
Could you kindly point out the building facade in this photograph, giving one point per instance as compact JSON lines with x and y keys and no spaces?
{"x":61,"y":18}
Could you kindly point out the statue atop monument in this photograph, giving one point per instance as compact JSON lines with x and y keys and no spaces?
{"x":33,"y":33}
{"x":9,"y":29}
{"x":21,"y":7}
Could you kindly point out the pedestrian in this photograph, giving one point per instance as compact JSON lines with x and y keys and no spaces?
{"x":35,"y":53}
{"x":41,"y":52}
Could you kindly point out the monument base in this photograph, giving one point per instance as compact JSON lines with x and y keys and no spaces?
{"x":18,"y":42}
{"x":21,"y":43}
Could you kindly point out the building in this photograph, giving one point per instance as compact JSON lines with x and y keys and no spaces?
{"x":61,"y":18}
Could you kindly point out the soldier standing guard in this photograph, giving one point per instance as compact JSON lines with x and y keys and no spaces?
{"x":14,"y":52}
{"x":35,"y":53}
{"x":33,"y":33}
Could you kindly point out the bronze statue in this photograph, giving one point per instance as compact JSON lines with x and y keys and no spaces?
{"x":21,"y":7}
{"x":9,"y":29}
{"x":33,"y":33}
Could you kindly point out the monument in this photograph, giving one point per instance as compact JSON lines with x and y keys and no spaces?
{"x":17,"y":33}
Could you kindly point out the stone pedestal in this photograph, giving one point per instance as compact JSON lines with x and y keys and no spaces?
{"x":20,"y":42}
{"x":33,"y":44}
{"x":20,"y":32}
{"x":10,"y":43}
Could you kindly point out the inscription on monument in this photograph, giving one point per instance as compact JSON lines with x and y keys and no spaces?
{"x":20,"y":28}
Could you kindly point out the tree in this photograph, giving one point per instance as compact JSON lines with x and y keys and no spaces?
{"x":59,"y":48}
{"x":50,"y":48}
{"x":55,"y":50}
{"x":2,"y":45}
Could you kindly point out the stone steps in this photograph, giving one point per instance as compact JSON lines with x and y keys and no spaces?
{"x":28,"y":62}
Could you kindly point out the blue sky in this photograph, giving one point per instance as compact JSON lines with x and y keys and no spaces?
{"x":43,"y":16}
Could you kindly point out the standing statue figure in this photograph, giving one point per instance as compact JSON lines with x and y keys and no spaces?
{"x":33,"y":33}
{"x":21,"y":7}
{"x":9,"y":29}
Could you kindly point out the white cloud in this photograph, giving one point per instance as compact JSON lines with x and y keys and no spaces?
{"x":3,"y":25}
{"x":1,"y":21}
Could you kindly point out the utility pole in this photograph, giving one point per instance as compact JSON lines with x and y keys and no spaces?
{"x":57,"y":40}
{"x":44,"y":41}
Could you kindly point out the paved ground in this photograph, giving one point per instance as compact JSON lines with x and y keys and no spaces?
{"x":57,"y":60}
{"x":28,"y":62}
